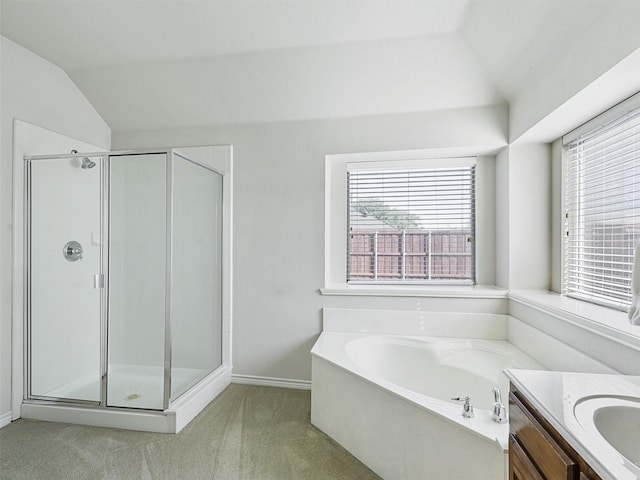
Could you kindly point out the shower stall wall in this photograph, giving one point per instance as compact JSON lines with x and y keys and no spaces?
{"x":125,"y":291}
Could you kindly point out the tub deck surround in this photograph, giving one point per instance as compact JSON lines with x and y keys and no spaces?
{"x":416,"y":322}
{"x":391,"y":420}
{"x":443,"y":368}
{"x":428,"y":371}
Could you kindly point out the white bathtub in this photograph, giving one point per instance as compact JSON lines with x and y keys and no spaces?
{"x":386,"y":399}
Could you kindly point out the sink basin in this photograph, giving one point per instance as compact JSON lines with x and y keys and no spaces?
{"x":614,"y":423}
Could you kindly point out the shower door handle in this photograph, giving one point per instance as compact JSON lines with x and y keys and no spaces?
{"x":98,"y":280}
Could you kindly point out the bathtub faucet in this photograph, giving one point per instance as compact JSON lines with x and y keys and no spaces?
{"x":500,"y":414}
{"x":467,"y":408}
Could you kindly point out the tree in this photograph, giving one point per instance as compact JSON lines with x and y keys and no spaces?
{"x":390,"y":216}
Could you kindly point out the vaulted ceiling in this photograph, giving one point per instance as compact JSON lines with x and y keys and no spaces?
{"x":147,"y":64}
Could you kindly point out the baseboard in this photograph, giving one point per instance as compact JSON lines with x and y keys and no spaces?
{"x":5,"y":419}
{"x":271,"y":382}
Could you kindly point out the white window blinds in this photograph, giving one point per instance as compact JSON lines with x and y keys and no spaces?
{"x":602,"y":206}
{"x":411,"y":224}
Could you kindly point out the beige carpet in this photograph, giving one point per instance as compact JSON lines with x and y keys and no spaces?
{"x":246,"y":433}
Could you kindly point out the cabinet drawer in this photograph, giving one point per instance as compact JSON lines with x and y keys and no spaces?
{"x":547,"y":456}
{"x":520,"y":466}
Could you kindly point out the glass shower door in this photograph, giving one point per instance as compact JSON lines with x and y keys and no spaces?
{"x":64,"y":256}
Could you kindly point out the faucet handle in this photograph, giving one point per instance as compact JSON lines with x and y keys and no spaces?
{"x":497,"y":397}
{"x":467,"y":408}
{"x":500,"y":414}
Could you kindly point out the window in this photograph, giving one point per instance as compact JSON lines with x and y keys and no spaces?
{"x":412,"y":222}
{"x":602,"y":206}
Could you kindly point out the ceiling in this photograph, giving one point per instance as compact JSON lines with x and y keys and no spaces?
{"x":150,"y":64}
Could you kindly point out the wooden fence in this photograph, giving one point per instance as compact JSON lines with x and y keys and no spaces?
{"x":409,"y":255}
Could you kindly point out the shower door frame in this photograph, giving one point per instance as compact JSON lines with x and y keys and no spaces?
{"x":27,"y":343}
{"x":104,"y":267}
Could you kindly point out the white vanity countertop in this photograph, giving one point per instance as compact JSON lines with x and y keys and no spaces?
{"x":554,"y":394}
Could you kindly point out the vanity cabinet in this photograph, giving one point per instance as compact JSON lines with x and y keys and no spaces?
{"x":536,"y":450}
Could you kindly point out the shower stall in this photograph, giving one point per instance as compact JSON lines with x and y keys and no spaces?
{"x":125,"y":288}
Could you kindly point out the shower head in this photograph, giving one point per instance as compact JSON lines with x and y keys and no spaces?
{"x":86,"y":163}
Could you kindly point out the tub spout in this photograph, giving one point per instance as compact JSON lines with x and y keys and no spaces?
{"x":500,"y":414}
{"x":467,"y":408}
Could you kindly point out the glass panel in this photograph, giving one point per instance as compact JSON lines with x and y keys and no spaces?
{"x":196,"y":288}
{"x":64,"y":305}
{"x":137,"y":272}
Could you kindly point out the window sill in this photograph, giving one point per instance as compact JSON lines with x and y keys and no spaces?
{"x":603,"y":321}
{"x":439,"y":291}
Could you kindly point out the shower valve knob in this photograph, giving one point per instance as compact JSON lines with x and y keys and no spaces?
{"x":72,"y":251}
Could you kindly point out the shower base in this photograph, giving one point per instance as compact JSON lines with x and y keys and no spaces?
{"x":132,"y":391}
{"x":143,"y":387}
{"x":130,"y":386}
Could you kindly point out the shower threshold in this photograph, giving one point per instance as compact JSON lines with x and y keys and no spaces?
{"x":127,"y":414}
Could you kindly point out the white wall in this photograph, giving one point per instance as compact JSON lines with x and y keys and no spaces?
{"x":279,"y":221}
{"x":413,"y":74}
{"x":567,"y":72}
{"x":36,"y":91}
{"x":523,"y":200}
{"x":502,"y":218}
